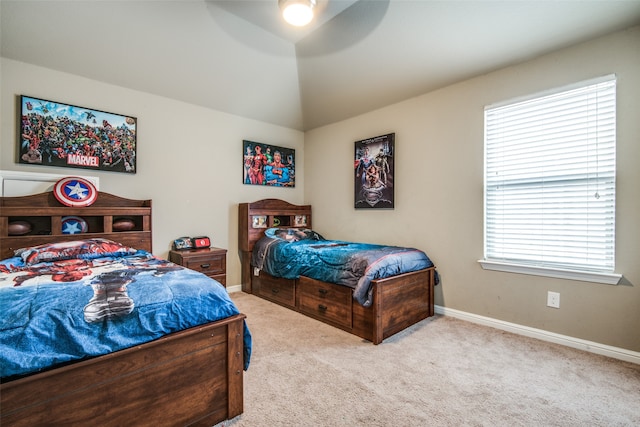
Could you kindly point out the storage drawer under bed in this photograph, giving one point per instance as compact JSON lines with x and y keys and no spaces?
{"x":325,"y":301}
{"x":281,"y":291}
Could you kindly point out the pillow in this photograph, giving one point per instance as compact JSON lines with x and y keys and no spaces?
{"x":84,"y":249}
{"x":293,"y":234}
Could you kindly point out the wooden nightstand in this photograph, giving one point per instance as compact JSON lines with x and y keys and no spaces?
{"x":210,"y":261}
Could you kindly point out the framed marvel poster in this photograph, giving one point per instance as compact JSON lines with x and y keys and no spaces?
{"x":374,"y":172}
{"x":57,"y":134}
{"x":269,"y":165}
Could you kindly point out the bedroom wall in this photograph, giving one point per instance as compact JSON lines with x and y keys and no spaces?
{"x":189,"y":158}
{"x":189,"y":164}
{"x":439,"y":193}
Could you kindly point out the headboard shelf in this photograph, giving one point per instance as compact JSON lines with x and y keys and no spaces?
{"x":254,"y":218}
{"x":280,"y":220}
{"x":45,"y":216}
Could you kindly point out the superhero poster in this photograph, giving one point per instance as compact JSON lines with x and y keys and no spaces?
{"x":268,"y":165}
{"x":56,"y":134}
{"x":374,"y":172}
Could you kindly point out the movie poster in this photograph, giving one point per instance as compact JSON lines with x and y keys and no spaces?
{"x":374,"y":172}
{"x":56,"y":134}
{"x":268,"y":165}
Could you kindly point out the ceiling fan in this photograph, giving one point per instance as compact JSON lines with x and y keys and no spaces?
{"x":297,"y":12}
{"x":335,"y":23}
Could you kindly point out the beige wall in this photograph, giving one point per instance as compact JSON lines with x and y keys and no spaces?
{"x":189,"y":164}
{"x":439,"y":193}
{"x":189,"y":158}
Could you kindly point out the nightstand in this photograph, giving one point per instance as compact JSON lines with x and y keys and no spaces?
{"x":210,"y":261}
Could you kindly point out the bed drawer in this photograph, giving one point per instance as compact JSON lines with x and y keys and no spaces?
{"x":325,"y":301}
{"x":277,"y":290}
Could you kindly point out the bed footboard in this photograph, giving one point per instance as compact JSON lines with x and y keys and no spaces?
{"x":401,"y":301}
{"x":193,"y":377}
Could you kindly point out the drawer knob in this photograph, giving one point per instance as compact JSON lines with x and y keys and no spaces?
{"x":275,"y":290}
{"x":205,"y":265}
{"x":322,"y":292}
{"x":322,"y":308}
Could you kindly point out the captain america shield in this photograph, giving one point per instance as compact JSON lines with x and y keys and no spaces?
{"x":74,"y":225}
{"x":75,"y":192}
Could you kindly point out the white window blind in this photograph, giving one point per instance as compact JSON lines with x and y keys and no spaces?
{"x":550,"y":164}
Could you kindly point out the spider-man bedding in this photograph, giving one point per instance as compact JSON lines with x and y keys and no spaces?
{"x":70,"y":301}
{"x":290,"y":253}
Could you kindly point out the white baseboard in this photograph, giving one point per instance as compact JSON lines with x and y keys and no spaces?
{"x":590,"y":346}
{"x":236,"y":288}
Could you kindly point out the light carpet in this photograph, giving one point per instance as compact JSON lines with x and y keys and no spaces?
{"x":442,"y":371}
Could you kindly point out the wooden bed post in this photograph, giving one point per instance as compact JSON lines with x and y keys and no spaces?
{"x":235,"y":366}
{"x":377,"y":304}
{"x":245,"y":271}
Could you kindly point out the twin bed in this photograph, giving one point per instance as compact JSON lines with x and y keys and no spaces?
{"x":372,"y":291}
{"x":95,"y":330}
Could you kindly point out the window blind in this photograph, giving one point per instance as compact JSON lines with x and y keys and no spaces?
{"x":550,"y":164}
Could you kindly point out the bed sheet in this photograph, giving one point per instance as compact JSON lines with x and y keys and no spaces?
{"x":335,"y":261}
{"x":57,"y":312}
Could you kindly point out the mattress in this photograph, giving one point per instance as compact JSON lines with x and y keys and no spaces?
{"x":72,"y":301}
{"x":291,"y":253}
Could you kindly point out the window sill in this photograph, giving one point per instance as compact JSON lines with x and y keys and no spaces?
{"x":585,"y":276}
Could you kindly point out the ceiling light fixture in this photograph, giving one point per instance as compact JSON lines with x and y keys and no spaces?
{"x":297,"y":12}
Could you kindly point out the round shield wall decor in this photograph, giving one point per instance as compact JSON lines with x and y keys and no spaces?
{"x":74,"y":225}
{"x":75,"y":192}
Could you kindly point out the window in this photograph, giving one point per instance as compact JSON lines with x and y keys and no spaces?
{"x":550,"y":183}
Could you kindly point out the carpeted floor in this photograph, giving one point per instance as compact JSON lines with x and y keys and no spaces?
{"x":442,"y":371}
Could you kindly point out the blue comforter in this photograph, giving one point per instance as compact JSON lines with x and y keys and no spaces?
{"x":56,"y":312}
{"x":293,"y":253}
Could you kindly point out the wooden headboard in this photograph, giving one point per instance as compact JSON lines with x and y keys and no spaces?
{"x":254,"y":218}
{"x":45,"y":215}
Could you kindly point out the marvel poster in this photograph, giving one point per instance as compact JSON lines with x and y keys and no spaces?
{"x":56,"y":134}
{"x":268,"y":165}
{"x":374,"y":172}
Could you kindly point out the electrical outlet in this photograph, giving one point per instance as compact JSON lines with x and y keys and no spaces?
{"x":553,"y":299}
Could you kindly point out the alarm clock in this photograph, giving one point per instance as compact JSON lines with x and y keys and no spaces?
{"x":182,"y":243}
{"x":201,"y":242}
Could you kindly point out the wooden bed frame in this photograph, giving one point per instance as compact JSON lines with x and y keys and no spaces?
{"x":192,"y":377}
{"x":398,"y":301}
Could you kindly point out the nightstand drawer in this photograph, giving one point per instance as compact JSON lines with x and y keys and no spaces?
{"x":222,"y":278}
{"x":211,"y":261}
{"x":327,"y":302}
{"x":209,"y":265}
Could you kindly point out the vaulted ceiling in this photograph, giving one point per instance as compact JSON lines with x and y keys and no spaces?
{"x":239,"y":57}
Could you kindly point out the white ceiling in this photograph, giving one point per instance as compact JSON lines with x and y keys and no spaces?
{"x":239,"y":57}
